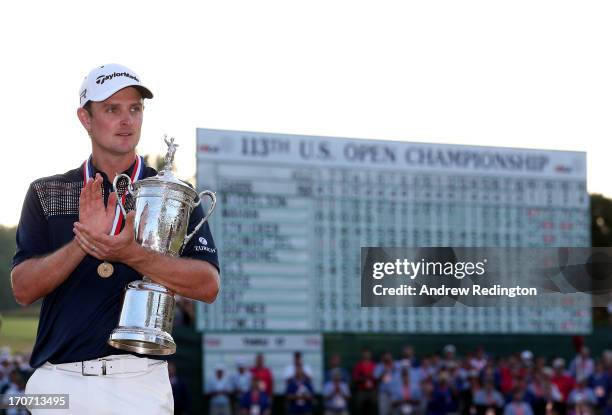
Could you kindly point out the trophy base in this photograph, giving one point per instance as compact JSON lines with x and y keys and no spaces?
{"x":146,"y":318}
{"x":142,"y":341}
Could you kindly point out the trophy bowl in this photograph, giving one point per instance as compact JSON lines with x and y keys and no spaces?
{"x":163,"y":205}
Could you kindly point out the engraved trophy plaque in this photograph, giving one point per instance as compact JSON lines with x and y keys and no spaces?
{"x":163,"y":205}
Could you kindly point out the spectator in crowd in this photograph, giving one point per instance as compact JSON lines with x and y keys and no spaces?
{"x":427,"y":389}
{"x":428,"y":368}
{"x":180,"y":391}
{"x":219,"y":391}
{"x":255,"y":401}
{"x":450,"y":358}
{"x":582,"y":366}
{"x":462,"y":374}
{"x":15,"y":387}
{"x":457,"y":376}
{"x":22,"y":364}
{"x":527,"y":359}
{"x":4,"y":382}
{"x":335,"y":365}
{"x":580,"y":409}
{"x":601,"y":383}
{"x":582,"y":394}
{"x":408,"y":358}
{"x":493,"y":370}
{"x":564,"y":382}
{"x":539,"y":363}
{"x":365,"y":383}
{"x":510,"y":371}
{"x":467,"y":394}
{"x":479,"y":361}
{"x":406,"y":395}
{"x":291,"y":369}
{"x":336,"y":394}
{"x":488,"y":400}
{"x":518,"y":406}
{"x":444,"y":399}
{"x":240,"y":382}
{"x":385,"y":375}
{"x":262,"y":375}
{"x":6,"y":367}
{"x":522,"y":387}
{"x":300,"y":393}
{"x":546,"y":395}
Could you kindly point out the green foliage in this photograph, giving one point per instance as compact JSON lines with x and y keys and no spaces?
{"x":7,"y":250}
{"x":601,"y":221}
{"x":155,"y":160}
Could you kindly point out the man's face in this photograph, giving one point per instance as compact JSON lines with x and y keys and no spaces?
{"x":114,"y":124}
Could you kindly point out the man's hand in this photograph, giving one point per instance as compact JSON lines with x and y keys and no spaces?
{"x":92,"y":211}
{"x":118,"y":248}
{"x":187,"y":277}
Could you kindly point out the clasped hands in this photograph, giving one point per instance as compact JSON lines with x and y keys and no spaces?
{"x":95,"y":223}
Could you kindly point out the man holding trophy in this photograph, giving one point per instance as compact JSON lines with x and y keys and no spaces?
{"x":80,"y":244}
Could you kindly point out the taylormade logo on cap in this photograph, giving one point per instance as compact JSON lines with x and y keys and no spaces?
{"x":104,"y":81}
{"x":102,"y":78}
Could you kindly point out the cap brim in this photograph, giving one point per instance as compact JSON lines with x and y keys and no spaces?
{"x":144,"y":92}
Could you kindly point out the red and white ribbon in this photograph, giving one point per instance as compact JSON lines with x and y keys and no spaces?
{"x":137,"y":172}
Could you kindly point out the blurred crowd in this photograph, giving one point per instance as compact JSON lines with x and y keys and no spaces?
{"x":14,"y":372}
{"x":438,"y":384}
{"x":444,"y":383}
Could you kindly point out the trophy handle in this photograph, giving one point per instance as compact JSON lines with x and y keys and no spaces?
{"x":130,"y":190}
{"x":213,"y":199}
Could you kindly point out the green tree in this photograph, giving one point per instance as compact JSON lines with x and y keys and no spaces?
{"x":7,"y":250}
{"x":601,"y":221}
{"x":155,"y":160}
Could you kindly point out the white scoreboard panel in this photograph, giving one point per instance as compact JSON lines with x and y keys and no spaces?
{"x":293,"y":212}
{"x":278,"y":348}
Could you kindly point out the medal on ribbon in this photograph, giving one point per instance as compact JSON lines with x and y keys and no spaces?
{"x":106,"y":269}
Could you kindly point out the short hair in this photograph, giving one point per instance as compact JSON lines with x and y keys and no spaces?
{"x":87,"y":107}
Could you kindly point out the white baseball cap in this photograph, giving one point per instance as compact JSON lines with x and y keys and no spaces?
{"x":103,"y":81}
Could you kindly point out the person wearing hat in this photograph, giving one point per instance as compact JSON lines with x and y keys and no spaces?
{"x":77,"y":252}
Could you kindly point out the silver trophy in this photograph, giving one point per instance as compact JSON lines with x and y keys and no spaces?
{"x":163,"y":205}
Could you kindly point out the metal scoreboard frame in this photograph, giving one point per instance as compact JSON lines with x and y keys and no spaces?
{"x":294,"y":211}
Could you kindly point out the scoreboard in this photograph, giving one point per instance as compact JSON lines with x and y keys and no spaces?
{"x":293,"y":212}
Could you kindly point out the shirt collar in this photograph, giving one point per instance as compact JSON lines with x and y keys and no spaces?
{"x":128,"y":171}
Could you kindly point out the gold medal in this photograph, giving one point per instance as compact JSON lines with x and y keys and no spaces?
{"x":105,"y":269}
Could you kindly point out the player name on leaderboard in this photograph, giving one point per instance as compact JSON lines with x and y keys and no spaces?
{"x":294,"y":212}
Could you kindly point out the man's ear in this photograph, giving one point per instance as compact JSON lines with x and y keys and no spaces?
{"x":84,"y":117}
